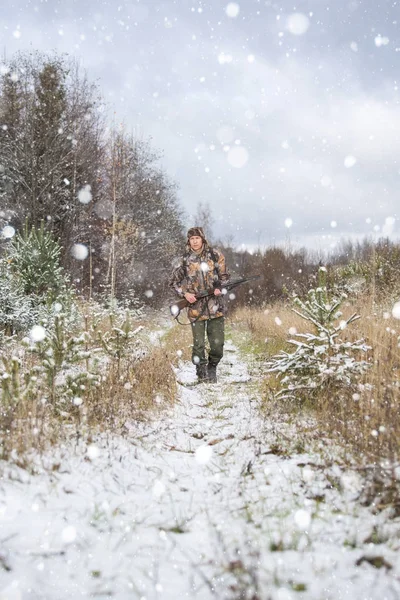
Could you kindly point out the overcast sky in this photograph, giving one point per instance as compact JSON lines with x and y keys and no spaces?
{"x":284,"y":116}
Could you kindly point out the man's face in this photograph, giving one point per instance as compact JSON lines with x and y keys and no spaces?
{"x":195,"y":242}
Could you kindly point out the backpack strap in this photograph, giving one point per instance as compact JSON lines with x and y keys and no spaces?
{"x":185,"y":262}
{"x":214,"y":258}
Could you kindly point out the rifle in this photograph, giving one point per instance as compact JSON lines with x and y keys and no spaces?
{"x":176,"y":307}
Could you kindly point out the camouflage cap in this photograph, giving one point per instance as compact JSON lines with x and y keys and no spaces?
{"x":196,"y":231}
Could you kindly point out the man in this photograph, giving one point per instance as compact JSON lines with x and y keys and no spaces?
{"x":203,"y":268}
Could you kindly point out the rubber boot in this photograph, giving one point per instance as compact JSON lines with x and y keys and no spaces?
{"x":201,"y":372}
{"x":212,"y":373}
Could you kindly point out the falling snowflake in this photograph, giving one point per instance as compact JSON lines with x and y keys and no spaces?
{"x":85,"y":194}
{"x":297,"y":23}
{"x":174,"y":310}
{"x":349,"y":161}
{"x":388,"y":226}
{"x":396,"y":310}
{"x":381,"y":41}
{"x":93,"y":451}
{"x":68,"y":534}
{"x":232,"y":10}
{"x":8,"y":232}
{"x":203,"y":454}
{"x":37,"y":333}
{"x":302,"y":519}
{"x":307,"y":474}
{"x":238,"y":157}
{"x":57,"y":307}
{"x":80,"y":251}
{"x":224,"y":58}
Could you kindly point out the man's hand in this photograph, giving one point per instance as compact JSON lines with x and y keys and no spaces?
{"x":217,"y":292}
{"x":190,"y":297}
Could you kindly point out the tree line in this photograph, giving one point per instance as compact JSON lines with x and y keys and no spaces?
{"x":89,"y":183}
{"x":93,"y":184}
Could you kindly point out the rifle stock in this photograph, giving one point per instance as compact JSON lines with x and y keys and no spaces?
{"x":182,"y":303}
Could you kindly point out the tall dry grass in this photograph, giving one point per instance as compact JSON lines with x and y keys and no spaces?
{"x":370,"y":420}
{"x":269,"y":328}
{"x":178,"y":343}
{"x":132,"y":386}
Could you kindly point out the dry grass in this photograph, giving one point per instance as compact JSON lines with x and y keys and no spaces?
{"x":269,"y":327}
{"x":133,"y":393}
{"x":178,"y":341}
{"x":133,"y":386}
{"x":370,"y":420}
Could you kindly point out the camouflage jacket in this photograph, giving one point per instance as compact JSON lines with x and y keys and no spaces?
{"x":199,"y":272}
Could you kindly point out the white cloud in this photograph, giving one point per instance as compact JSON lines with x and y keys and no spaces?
{"x":297,"y":115}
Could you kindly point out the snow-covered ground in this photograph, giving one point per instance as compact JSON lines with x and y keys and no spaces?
{"x":201,"y":504}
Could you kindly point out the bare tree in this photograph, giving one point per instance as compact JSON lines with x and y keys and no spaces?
{"x":204,"y":219}
{"x":53,"y":145}
{"x":50,"y":143}
{"x":136,"y":221}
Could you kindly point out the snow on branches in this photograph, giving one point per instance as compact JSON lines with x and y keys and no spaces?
{"x":321,"y":360}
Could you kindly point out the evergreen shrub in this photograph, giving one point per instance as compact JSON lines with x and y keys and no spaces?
{"x":322,"y":362}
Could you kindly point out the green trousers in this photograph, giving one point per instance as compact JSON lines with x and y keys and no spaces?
{"x":215,"y":334}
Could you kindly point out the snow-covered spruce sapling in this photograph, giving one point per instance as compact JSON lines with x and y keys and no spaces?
{"x":121,"y":339}
{"x":321,"y":361}
{"x":35,"y":258}
{"x":16,"y":386}
{"x":17,"y":312}
{"x":67,"y":362}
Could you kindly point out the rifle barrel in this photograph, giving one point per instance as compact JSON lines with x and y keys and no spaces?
{"x":182,"y":303}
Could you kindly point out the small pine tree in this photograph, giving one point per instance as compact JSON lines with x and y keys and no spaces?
{"x":17,"y":312}
{"x":35,"y":258}
{"x":68,"y":365}
{"x":321,"y":360}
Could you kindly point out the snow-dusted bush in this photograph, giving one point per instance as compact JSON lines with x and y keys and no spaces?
{"x":33,"y":287}
{"x":120,"y":339}
{"x":376,"y":269}
{"x":67,"y":361}
{"x":35,"y":258}
{"x":17,"y":311}
{"x":321,"y":360}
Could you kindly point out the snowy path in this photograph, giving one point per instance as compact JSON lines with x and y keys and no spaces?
{"x":198,"y":505}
